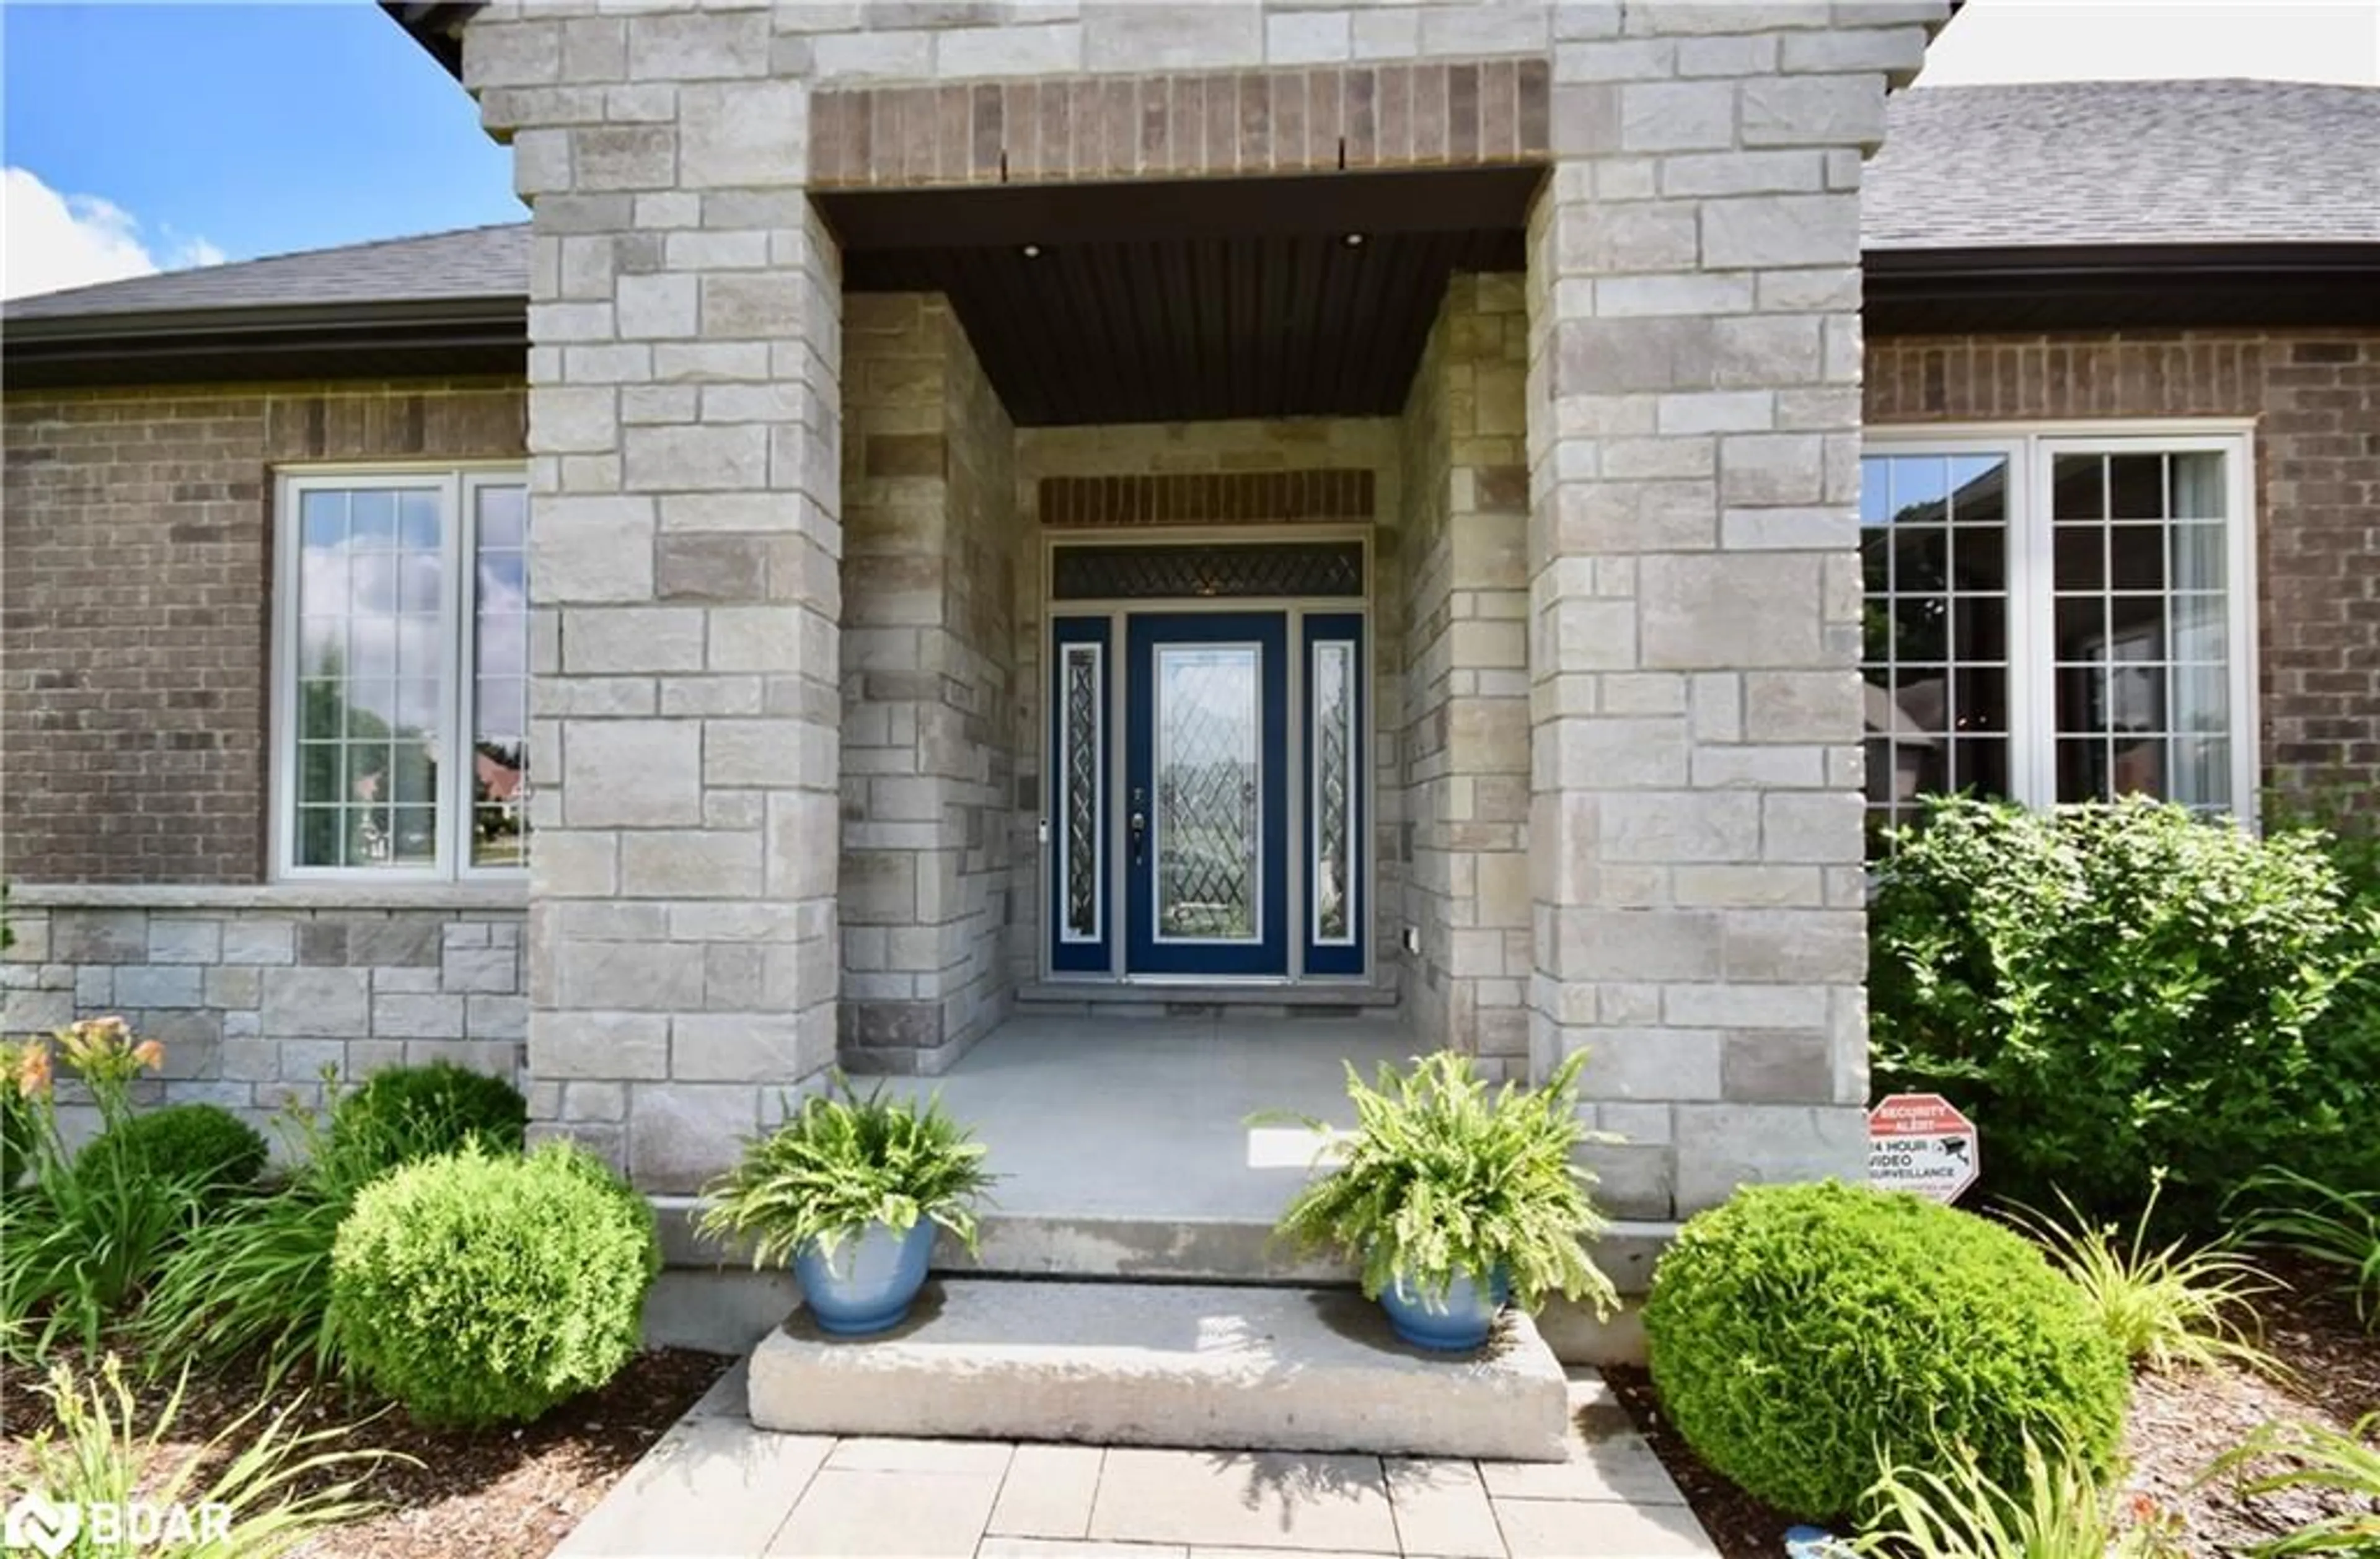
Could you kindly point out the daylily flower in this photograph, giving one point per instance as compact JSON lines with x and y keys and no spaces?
{"x":149,"y":1054}
{"x":33,"y":1071}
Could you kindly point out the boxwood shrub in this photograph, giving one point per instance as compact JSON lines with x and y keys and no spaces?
{"x":403,"y":1113}
{"x":2112,"y":991}
{"x":204,"y":1144}
{"x":1798,"y":1334}
{"x":478,"y":1289}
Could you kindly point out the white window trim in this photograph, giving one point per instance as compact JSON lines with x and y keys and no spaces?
{"x":456,"y":483}
{"x":2028,"y":448}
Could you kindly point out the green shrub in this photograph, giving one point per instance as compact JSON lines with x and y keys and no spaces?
{"x":2116,"y":992}
{"x":84,"y":1239}
{"x":2178,"y":1305}
{"x":1803,"y":1338}
{"x":203,"y":1143}
{"x":2333,"y":1227}
{"x":255,"y":1278}
{"x":408,"y":1113}
{"x":280,"y":1487}
{"x":2339,"y":1467}
{"x":478,"y":1289}
{"x":17,"y":1126}
{"x":2062,"y":1509}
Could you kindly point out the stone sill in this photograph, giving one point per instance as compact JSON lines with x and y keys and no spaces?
{"x":270,"y":896}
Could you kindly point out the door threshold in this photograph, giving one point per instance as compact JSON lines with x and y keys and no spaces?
{"x":1182,"y":993}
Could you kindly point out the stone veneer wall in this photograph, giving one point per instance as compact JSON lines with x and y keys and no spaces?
{"x":929,"y":646}
{"x":255,"y":991}
{"x":135,"y":634}
{"x":1302,"y":444}
{"x":1465,"y":670}
{"x":685,"y":323}
{"x":1694,"y":586}
{"x":2316,"y":396}
{"x":1693,"y":423}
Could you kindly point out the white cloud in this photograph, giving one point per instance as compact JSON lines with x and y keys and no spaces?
{"x":56,"y":240}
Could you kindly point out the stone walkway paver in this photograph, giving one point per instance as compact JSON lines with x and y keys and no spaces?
{"x":717,"y":1488}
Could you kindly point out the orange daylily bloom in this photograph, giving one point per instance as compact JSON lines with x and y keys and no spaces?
{"x":149,"y":1054}
{"x":33,"y":1071}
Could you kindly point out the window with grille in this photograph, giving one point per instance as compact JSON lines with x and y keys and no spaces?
{"x":2054,"y":617}
{"x":401,"y":683}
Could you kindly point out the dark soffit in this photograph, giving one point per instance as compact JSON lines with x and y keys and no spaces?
{"x":1180,"y":302}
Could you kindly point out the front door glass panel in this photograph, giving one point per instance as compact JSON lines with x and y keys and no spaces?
{"x":1204,"y":807}
{"x":1207,"y":808}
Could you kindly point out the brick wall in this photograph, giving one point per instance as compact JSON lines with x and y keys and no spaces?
{"x":1437,"y":114}
{"x":2316,"y":396}
{"x":135,"y":571}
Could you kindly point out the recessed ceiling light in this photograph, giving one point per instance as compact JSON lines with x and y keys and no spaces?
{"x":1354,"y":240}
{"x":1032,"y":251}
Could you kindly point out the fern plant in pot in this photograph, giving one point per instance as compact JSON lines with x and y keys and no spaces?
{"x":1457,"y":1199}
{"x":852,"y":1190}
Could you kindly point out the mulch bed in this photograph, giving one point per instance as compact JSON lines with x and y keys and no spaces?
{"x":500,"y":1494}
{"x":2179,"y":1423}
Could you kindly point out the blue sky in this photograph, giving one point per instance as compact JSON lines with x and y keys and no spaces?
{"x":137,"y":138}
{"x":233,"y":130}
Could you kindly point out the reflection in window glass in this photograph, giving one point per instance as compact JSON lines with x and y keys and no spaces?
{"x":500,"y":689}
{"x":407,"y":726}
{"x":2138,"y":628}
{"x":2109,"y":619}
{"x":1934,"y":549}
{"x":368,"y":593}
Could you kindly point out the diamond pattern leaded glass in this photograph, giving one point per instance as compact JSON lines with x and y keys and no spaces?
{"x":1334,"y":842}
{"x":1082,"y":799}
{"x":1208,"y":815}
{"x":1155,"y":573}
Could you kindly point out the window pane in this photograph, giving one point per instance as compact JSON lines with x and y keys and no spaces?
{"x":1334,"y":791}
{"x":498,"y":713}
{"x":1934,"y":559}
{"x":2140,"y":629}
{"x":1081,"y":786}
{"x":369,"y":577}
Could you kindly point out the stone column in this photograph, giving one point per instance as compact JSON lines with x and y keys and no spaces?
{"x":1466,"y":490}
{"x":685,"y":355}
{"x":1695,"y":584}
{"x":928,"y":771}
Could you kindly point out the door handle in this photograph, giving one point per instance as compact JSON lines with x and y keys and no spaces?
{"x":1138,"y":823}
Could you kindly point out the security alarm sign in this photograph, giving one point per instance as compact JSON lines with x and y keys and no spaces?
{"x":1921,"y":1143}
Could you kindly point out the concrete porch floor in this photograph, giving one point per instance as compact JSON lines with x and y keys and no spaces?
{"x":1146,"y":1118}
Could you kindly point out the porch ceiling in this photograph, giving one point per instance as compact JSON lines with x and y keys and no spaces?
{"x":1179,"y":302}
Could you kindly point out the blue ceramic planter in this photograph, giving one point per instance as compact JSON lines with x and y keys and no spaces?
{"x":868,"y":1284}
{"x":1455,"y":1323}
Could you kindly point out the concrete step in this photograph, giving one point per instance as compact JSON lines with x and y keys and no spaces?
{"x":1157,"y":1364}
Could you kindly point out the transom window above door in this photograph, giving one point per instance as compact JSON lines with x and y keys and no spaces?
{"x":401,"y":673}
{"x":2058,"y":616}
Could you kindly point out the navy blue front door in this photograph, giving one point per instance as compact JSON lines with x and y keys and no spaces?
{"x":1204,"y":803}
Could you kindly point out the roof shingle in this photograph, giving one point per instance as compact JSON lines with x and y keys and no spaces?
{"x":2097,"y":163}
{"x":2122,"y":162}
{"x":475,"y":262}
